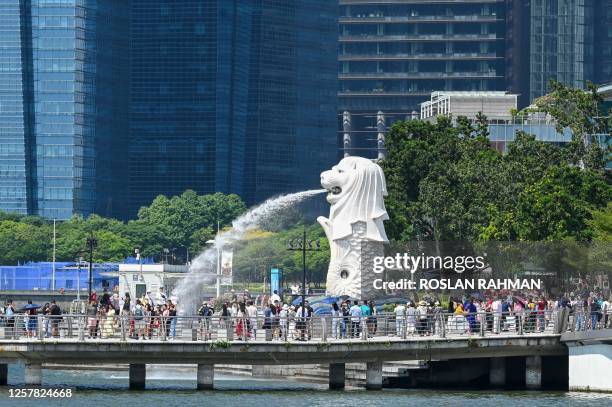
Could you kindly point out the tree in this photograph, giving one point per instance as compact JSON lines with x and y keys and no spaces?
{"x":23,"y":242}
{"x":181,"y":219}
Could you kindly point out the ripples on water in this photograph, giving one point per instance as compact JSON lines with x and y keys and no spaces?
{"x":109,"y":388}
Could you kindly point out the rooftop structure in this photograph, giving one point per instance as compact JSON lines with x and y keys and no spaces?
{"x":496,"y":106}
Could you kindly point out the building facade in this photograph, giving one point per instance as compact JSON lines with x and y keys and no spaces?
{"x":393,"y":54}
{"x":603,"y":42}
{"x":54,"y":89}
{"x":561,"y":43}
{"x":231,"y":96}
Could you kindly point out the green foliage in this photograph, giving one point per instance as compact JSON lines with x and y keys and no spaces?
{"x":21,"y":241}
{"x":261,"y":251}
{"x":445,"y":183}
{"x":176,"y":223}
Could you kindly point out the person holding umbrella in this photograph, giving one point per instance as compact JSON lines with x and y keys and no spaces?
{"x":32,"y":324}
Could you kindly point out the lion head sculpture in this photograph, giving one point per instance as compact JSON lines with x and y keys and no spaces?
{"x":356,"y":190}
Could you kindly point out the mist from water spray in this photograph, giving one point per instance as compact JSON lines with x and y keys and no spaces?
{"x":204,"y":267}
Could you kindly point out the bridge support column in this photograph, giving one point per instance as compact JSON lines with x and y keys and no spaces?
{"x":206,"y":377}
{"x":3,"y":374}
{"x":336,"y":376}
{"x":374,"y":376}
{"x":497,"y":372}
{"x":533,"y":372}
{"x":138,"y":376}
{"x":33,"y":374}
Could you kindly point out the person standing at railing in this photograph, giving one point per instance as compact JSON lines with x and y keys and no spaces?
{"x":284,"y":321}
{"x":606,"y":310}
{"x":304,"y":316}
{"x":55,"y":314}
{"x":108,"y":329}
{"x":251,"y":318}
{"x":497,"y":309}
{"x":372,"y":320}
{"x":9,"y":311}
{"x":421,"y":314}
{"x":32,"y":322}
{"x":336,"y":318}
{"x":437,"y":318}
{"x":139,"y":320}
{"x":595,"y":312}
{"x":172,"y":318}
{"x":471,"y":310}
{"x":241,"y":316}
{"x":356,"y":315}
{"x":365,"y":317}
{"x":205,"y":313}
{"x":400,"y":314}
{"x":45,"y":311}
{"x":541,"y":313}
{"x":345,"y":322}
{"x":410,"y":318}
{"x":92,"y":318}
{"x":578,"y":307}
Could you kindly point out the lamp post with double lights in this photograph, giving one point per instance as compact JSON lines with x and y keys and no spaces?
{"x":304,"y":246}
{"x":92,"y":243}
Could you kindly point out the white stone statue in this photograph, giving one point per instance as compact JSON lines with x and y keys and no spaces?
{"x":355,"y":227}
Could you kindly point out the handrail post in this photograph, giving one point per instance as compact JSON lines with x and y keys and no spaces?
{"x":364,"y":329}
{"x":123,"y":335}
{"x":39,"y":326}
{"x":82,"y":324}
{"x":521,"y":321}
{"x":69,"y":322}
{"x":443,"y":325}
{"x":324,"y":330}
{"x":480,"y":322}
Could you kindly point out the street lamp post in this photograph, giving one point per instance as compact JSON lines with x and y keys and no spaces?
{"x":92,"y":243}
{"x":304,"y":246}
{"x":79,"y":279}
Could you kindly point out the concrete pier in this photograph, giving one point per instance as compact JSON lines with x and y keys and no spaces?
{"x":206,"y":377}
{"x":33,"y":374}
{"x":374,"y":376}
{"x":3,"y":374}
{"x":533,"y":372}
{"x":138,"y":375}
{"x":497,"y":372}
{"x":336,"y":376}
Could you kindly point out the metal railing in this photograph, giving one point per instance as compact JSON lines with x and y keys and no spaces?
{"x":385,"y":326}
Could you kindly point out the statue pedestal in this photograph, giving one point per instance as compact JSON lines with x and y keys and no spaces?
{"x":351,"y":269}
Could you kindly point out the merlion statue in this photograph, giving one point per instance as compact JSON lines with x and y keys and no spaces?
{"x":355,"y":227}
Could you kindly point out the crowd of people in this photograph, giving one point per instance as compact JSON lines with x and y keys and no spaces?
{"x":245,"y":317}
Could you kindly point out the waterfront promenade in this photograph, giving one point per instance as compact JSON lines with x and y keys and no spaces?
{"x":207,"y":342}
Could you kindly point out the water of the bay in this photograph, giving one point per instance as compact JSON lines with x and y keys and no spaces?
{"x":177,"y":388}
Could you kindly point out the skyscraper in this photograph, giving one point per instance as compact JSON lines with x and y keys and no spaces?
{"x":54,"y":88}
{"x":236,"y":96}
{"x":603,"y":42}
{"x":393,"y":54}
{"x":561,"y":43}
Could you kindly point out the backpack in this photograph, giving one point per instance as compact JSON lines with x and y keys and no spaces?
{"x":138,"y":314}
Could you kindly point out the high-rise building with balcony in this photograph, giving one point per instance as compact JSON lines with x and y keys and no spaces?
{"x":235,"y":96}
{"x":393,"y":54}
{"x":58,"y":73}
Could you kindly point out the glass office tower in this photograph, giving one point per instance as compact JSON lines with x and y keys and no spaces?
{"x":51,"y":118}
{"x":561,"y":43}
{"x":15,"y":182}
{"x":235,"y":96}
{"x":603,"y":42}
{"x":393,"y":54}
